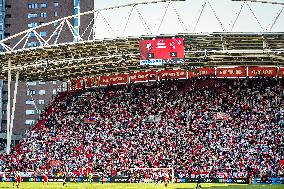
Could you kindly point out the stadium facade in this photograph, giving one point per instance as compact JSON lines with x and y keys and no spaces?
{"x":15,"y":17}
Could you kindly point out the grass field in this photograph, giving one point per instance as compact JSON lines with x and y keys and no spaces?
{"x":33,"y":185}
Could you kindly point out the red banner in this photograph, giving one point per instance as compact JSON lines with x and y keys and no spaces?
{"x":201,"y":71}
{"x":231,"y":72}
{"x":143,"y":76}
{"x":281,"y":72}
{"x":262,"y":71}
{"x":114,"y":79}
{"x":172,"y":74}
{"x":79,"y":84}
{"x":91,"y":82}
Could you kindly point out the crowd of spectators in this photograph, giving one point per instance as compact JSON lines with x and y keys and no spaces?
{"x":161,"y":124}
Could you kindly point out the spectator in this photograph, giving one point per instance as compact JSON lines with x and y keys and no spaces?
{"x":159,"y":125}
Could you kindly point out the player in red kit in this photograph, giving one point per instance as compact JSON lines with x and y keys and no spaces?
{"x":17,"y":180}
{"x":45,"y":179}
{"x":166,"y":179}
{"x":147,"y":178}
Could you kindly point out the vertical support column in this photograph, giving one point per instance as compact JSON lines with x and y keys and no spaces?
{"x":1,"y":116}
{"x":8,"y":148}
{"x":76,"y":20}
{"x":95,"y":18}
{"x":14,"y":105}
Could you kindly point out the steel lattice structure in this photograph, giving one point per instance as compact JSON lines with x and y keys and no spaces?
{"x":61,"y":60}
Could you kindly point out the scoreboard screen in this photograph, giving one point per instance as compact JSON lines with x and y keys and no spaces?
{"x":161,"y":51}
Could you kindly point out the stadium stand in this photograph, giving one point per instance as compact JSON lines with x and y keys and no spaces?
{"x":199,"y":125}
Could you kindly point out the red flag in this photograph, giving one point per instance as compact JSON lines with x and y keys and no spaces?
{"x":90,"y":120}
{"x":282,"y":164}
{"x":221,"y":116}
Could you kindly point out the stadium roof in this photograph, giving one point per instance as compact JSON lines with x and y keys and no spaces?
{"x":89,"y":56}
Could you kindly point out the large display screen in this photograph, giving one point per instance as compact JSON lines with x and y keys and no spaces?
{"x":161,"y":51}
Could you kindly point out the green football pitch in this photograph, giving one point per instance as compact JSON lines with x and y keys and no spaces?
{"x":29,"y":185}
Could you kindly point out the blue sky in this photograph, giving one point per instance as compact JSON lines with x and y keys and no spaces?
{"x":226,"y":10}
